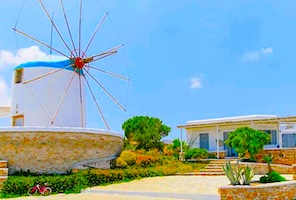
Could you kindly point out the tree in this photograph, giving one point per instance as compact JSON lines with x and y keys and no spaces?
{"x":145,"y":131}
{"x":247,"y":141}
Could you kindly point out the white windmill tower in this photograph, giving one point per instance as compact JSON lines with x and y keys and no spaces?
{"x":52,"y":93}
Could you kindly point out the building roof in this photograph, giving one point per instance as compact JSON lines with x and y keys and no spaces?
{"x":53,"y":64}
{"x":238,"y":120}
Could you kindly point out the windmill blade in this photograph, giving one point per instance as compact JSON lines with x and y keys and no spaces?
{"x":38,"y":41}
{"x":81,"y":103}
{"x":94,"y":34}
{"x":44,"y":75}
{"x":63,"y":97}
{"x":110,"y":73}
{"x":68,"y":27}
{"x":97,"y":105}
{"x":55,"y":27}
{"x":108,"y":93}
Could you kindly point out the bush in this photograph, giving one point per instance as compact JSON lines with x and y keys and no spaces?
{"x":129,"y":157}
{"x":145,"y":160}
{"x":73,"y":183}
{"x":272,"y":177}
{"x":196,"y":153}
{"x":120,"y":163}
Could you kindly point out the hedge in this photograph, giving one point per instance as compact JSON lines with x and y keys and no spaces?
{"x":74,"y":183}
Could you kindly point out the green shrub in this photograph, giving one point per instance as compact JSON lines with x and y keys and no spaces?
{"x":129,"y":157}
{"x":121,"y":163}
{"x":196,"y":153}
{"x":145,"y":160}
{"x":272,"y":177}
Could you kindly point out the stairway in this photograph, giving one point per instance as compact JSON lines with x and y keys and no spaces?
{"x":214,"y":168}
{"x":3,"y":172}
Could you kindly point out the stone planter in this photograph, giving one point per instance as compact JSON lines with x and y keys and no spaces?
{"x":280,"y":190}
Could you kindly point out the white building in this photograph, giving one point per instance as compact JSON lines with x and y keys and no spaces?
{"x":205,"y":133}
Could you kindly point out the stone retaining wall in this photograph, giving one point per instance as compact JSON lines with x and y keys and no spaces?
{"x":55,"y":152}
{"x":280,"y":191}
{"x":282,"y":156}
{"x":262,"y":168}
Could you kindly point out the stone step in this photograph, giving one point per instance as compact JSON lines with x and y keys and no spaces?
{"x":3,"y":164}
{"x":219,"y":165}
{"x":3,"y":171}
{"x":213,"y":167}
{"x":211,"y":170}
{"x":210,"y":174}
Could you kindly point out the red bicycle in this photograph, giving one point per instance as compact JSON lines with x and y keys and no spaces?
{"x":43,"y":190}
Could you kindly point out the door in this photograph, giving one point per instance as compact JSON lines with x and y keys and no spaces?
{"x":204,"y":141}
{"x":230,"y":152}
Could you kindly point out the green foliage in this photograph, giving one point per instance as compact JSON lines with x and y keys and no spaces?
{"x":196,"y":153}
{"x":74,"y":183}
{"x":129,"y":157}
{"x":268,"y":159}
{"x":238,"y":175}
{"x":145,"y":160}
{"x":120,"y":163}
{"x":247,"y":175}
{"x":230,"y":174}
{"x":145,"y":131}
{"x":247,"y":141}
{"x":174,"y":149}
{"x":272,"y":177}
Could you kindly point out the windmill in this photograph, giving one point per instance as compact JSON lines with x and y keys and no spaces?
{"x":53,"y":93}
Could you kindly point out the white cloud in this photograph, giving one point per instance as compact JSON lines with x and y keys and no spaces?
{"x":256,"y":55}
{"x":4,"y":93}
{"x":32,"y":53}
{"x":195,"y":83}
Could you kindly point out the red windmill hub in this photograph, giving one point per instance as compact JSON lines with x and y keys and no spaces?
{"x":79,"y":63}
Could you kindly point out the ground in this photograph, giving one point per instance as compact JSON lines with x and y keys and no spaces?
{"x":169,"y":187}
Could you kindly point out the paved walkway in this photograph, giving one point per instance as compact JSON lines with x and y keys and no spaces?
{"x":170,"y":187}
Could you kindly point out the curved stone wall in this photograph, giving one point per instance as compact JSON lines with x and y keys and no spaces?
{"x":55,"y":150}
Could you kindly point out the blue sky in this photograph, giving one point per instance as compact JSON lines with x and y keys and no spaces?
{"x":187,"y":59}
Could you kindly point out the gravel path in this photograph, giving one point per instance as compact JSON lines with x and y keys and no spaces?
{"x":169,"y":187}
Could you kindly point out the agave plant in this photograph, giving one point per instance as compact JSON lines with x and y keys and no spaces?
{"x":230,"y":174}
{"x":238,"y":175}
{"x":247,"y":175}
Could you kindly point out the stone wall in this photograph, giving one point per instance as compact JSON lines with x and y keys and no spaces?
{"x":281,"y":191}
{"x":55,"y":152}
{"x":262,"y":168}
{"x":282,"y":156}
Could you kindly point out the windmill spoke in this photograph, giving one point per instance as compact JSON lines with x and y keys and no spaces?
{"x":110,"y":73}
{"x":98,"y":107}
{"x":106,"y":91}
{"x":63,"y":97}
{"x":81,"y":107}
{"x":66,"y":20}
{"x":55,"y":27}
{"x":38,"y":41}
{"x":80,"y":16}
{"x":102,"y":55}
{"x":44,"y":75}
{"x":94,"y":34}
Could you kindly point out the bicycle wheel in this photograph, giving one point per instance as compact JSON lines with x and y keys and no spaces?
{"x":32,"y":191}
{"x":46,"y":191}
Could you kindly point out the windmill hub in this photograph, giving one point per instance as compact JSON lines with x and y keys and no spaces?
{"x":79,"y":63}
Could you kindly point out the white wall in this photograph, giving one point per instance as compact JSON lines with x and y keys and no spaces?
{"x":213,"y":134}
{"x":39,"y":100}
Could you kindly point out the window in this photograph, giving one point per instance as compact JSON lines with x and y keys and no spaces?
{"x":272,"y":133}
{"x":289,"y":140}
{"x":18,"y":76}
{"x":18,"y":120}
